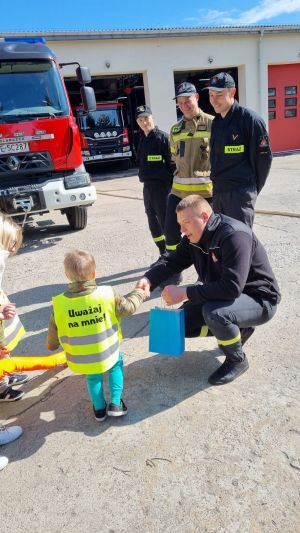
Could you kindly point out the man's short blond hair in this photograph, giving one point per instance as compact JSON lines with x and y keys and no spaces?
{"x":194,"y":201}
{"x":79,"y":265}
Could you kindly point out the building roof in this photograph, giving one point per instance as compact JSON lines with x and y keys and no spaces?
{"x":146,"y":33}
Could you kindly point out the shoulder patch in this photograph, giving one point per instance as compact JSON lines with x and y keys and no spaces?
{"x":176,"y":128}
{"x":263,"y":141}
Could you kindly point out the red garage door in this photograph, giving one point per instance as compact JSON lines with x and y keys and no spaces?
{"x":284,"y":107}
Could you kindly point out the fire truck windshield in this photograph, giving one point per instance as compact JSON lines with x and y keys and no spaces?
{"x":100,"y":118}
{"x":31,"y":90}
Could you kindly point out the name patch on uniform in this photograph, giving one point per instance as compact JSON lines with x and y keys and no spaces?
{"x":237,"y":149}
{"x":154,"y":157}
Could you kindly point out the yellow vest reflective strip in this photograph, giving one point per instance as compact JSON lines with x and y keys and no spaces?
{"x":88,"y":330}
{"x":230,"y":341}
{"x":94,"y":357}
{"x":203,"y":331}
{"x":159,"y":239}
{"x":193,"y":187}
{"x":171,"y":246}
{"x":234,"y":149}
{"x":13,"y":332}
{"x":185,"y":135}
{"x":90,"y":339}
{"x":154,"y":158}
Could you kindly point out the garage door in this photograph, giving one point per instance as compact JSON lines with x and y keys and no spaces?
{"x":284,"y":107}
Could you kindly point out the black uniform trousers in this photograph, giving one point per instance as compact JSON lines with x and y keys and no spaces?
{"x":172,"y":228}
{"x":224,"y":320}
{"x":155,"y":195}
{"x":237,"y":203}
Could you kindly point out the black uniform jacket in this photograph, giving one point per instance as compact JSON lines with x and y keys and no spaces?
{"x":240,"y":150}
{"x":229,"y":260}
{"x":154,"y":157}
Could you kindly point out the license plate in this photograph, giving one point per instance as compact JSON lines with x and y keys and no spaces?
{"x":101,"y":156}
{"x":14,"y":148}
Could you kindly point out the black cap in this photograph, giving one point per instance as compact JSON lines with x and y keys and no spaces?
{"x":185,"y":89}
{"x":143,"y":111}
{"x":220,"y":81}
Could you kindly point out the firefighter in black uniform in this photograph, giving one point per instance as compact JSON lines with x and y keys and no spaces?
{"x":155,"y":172}
{"x":236,"y":288}
{"x":240,"y":152}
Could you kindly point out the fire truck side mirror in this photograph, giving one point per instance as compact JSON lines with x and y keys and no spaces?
{"x":88,"y":98}
{"x":83,"y":75}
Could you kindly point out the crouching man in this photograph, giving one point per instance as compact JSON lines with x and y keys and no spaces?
{"x":236,"y":289}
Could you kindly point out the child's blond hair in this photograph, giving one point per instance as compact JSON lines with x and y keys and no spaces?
{"x":79,"y":265}
{"x":10,"y":234}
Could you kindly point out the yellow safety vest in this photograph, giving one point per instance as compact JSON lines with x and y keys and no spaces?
{"x":13,"y":332}
{"x":88,"y":330}
{"x":13,"y":328}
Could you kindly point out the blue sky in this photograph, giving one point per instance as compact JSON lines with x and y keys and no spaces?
{"x":43,"y":15}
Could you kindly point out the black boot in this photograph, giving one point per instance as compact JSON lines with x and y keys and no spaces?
{"x":245,"y":334}
{"x":162,"y":255}
{"x":228,"y":371}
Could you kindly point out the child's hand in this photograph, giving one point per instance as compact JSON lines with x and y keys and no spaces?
{"x":144,"y":284}
{"x":7,"y":311}
{"x":146,"y":294}
{"x":4,"y":353}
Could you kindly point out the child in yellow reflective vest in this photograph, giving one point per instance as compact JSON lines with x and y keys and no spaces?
{"x":86,"y":323}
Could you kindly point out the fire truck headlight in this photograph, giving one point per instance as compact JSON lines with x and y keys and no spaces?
{"x":74,"y":181}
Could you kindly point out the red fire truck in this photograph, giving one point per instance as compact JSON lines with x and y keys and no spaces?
{"x":104,"y":133}
{"x":41,"y":167}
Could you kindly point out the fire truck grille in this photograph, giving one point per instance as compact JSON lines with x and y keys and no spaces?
{"x":33,"y":162}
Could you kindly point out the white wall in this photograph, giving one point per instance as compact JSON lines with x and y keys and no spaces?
{"x":159,"y":58}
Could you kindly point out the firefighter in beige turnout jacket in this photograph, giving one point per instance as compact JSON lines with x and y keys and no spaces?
{"x":190,"y":145}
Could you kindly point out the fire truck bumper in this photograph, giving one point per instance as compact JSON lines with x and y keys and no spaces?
{"x":57,"y":196}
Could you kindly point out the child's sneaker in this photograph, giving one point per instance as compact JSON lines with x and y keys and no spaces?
{"x":3,"y":462}
{"x":9,"y":434}
{"x":100,"y":414}
{"x":117,"y":410}
{"x":11,"y":395}
{"x":17,"y":379}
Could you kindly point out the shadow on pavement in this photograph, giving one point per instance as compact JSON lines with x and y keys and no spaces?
{"x":44,"y":293}
{"x":152,"y":386}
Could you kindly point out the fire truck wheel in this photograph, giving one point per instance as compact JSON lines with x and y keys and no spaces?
{"x":77,"y":217}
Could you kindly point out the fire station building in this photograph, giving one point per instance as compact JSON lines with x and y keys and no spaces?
{"x":143,"y":66}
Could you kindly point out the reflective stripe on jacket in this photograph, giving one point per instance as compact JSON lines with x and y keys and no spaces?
{"x":190,"y":145}
{"x":88,"y":330}
{"x":13,"y":332}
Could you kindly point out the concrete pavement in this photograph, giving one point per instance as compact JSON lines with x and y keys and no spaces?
{"x":189,"y":457}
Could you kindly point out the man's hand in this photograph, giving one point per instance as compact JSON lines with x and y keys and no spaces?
{"x":173,"y":294}
{"x":7,"y":311}
{"x":144,"y":284}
